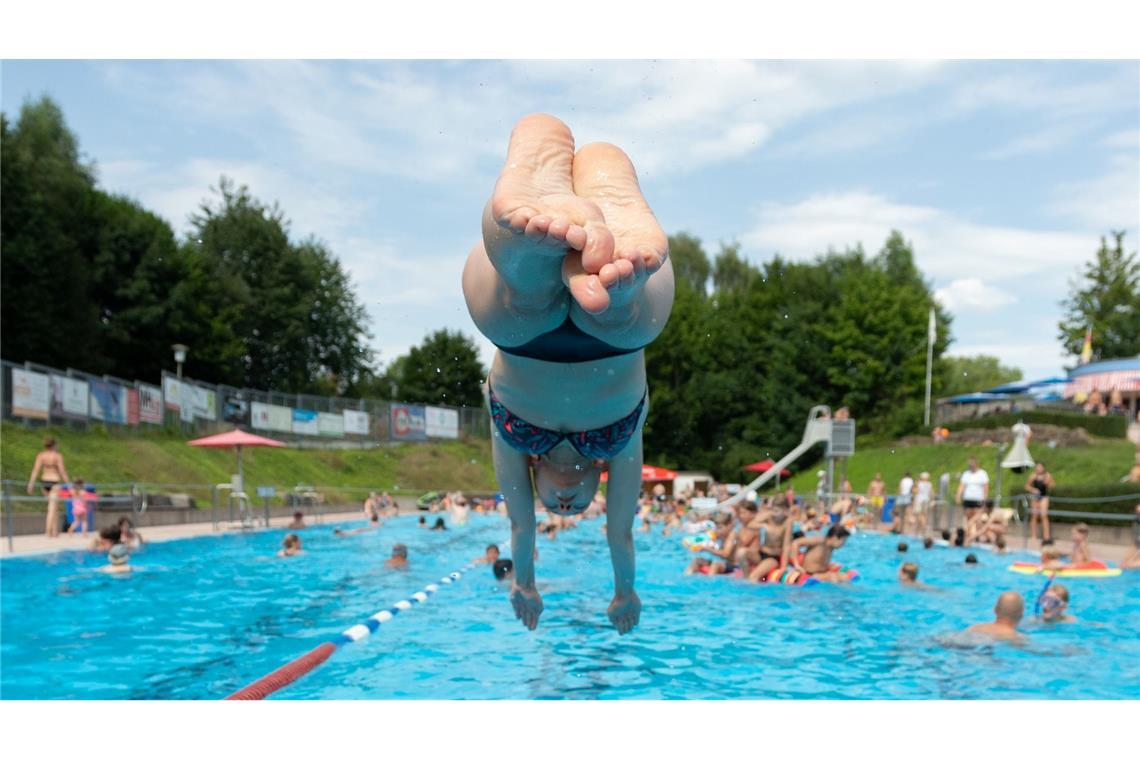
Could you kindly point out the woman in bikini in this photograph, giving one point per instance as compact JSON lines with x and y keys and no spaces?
{"x":1039,"y":485}
{"x":52,"y":472}
{"x":570,"y":282}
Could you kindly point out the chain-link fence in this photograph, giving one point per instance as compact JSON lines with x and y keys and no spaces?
{"x":39,"y":395}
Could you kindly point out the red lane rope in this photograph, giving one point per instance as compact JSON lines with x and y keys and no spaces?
{"x":286,"y":674}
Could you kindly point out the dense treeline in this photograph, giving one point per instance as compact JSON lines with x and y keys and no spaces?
{"x":741,"y":363}
{"x":95,"y":281}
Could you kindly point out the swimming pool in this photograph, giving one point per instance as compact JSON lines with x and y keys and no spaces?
{"x":203,"y":617}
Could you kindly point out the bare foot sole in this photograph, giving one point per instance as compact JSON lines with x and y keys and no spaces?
{"x":534,"y":218}
{"x":604,"y":174}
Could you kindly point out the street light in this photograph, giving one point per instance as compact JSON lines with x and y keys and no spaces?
{"x":180,"y":356}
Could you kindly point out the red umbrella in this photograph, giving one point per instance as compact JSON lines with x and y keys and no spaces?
{"x":649,"y":472}
{"x":766,"y":465}
{"x":235,"y":439}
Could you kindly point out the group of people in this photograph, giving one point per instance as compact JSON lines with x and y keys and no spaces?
{"x":70,"y":502}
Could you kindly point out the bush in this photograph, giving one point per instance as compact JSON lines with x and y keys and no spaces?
{"x":1105,"y":427}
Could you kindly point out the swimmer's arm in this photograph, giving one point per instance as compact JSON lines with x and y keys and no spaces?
{"x":513,"y":472}
{"x":621,"y":505}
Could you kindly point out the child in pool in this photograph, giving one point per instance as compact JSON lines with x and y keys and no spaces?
{"x":570,"y":282}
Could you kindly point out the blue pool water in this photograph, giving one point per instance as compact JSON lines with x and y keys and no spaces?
{"x":202,"y":617}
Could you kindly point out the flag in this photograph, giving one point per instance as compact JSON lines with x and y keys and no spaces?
{"x":932,"y":328}
{"x":1086,"y":350}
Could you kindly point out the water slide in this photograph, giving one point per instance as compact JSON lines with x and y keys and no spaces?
{"x":817,"y":430}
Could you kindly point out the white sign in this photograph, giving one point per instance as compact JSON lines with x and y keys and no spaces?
{"x":68,"y":397}
{"x":186,"y":412}
{"x":330,"y":424}
{"x":199,"y":400}
{"x":150,"y":404}
{"x":355,"y":423}
{"x":172,"y":391}
{"x":441,"y":423}
{"x":306,"y":422}
{"x":31,"y":394}
{"x":271,"y":417}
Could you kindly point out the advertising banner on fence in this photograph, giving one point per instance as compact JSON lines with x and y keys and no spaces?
{"x":68,"y":398}
{"x":150,"y":404}
{"x":271,"y":417}
{"x":31,"y":394}
{"x":132,"y":406}
{"x":108,"y":402}
{"x":235,"y":409}
{"x":172,"y":392}
{"x":408,"y":422}
{"x":305,"y":422}
{"x":441,"y":423}
{"x":331,"y":424}
{"x":202,"y":401}
{"x":355,"y":423}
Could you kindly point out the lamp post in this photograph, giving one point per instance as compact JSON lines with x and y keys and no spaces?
{"x":180,"y":356}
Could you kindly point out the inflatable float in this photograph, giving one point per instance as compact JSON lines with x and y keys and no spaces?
{"x":700,"y":541}
{"x":792,"y":576}
{"x":1092,"y":569}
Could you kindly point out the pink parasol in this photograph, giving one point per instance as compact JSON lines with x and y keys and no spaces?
{"x":235,"y":439}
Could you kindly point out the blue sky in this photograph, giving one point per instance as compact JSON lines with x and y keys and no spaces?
{"x":1002,"y":174}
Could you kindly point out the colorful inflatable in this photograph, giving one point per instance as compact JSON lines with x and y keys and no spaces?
{"x":1091,"y":569}
{"x":699,"y":541}
{"x":792,"y":576}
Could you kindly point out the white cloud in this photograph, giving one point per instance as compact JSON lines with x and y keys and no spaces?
{"x":1037,"y":358}
{"x":972,"y":293}
{"x":946,"y":245}
{"x":1110,"y":201}
{"x":1035,"y":143}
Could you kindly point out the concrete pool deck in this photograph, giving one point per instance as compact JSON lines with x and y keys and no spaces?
{"x":40,"y":544}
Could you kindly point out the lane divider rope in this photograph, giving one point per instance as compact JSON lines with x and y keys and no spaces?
{"x":306,"y":663}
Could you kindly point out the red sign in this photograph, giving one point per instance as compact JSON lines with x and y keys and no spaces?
{"x":132,"y":406}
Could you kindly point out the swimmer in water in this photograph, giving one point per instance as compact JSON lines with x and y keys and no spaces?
{"x":1054,"y":605}
{"x":571,"y":281}
{"x":120,"y":560}
{"x":1008,"y":612}
{"x":291,"y":546}
{"x":490,"y":555}
{"x":908,"y":576}
{"x":399,"y":558}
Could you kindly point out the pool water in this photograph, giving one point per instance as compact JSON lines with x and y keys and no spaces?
{"x":203,"y":617}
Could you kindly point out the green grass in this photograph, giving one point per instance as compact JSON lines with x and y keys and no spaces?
{"x":1099,"y":464}
{"x":111,"y":456}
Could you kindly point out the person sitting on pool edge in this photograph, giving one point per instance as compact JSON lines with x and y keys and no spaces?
{"x":291,"y":546}
{"x":815,"y":559}
{"x":1008,"y":612}
{"x":571,"y":282}
{"x":119,"y":558}
{"x":399,"y":558}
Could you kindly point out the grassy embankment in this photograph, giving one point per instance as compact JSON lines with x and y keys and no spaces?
{"x":103,"y":456}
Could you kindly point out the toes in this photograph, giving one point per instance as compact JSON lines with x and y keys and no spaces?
{"x":538,"y":226}
{"x":599,"y":247}
{"x":586,"y":288}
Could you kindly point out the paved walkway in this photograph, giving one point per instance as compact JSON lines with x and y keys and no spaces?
{"x":40,"y":544}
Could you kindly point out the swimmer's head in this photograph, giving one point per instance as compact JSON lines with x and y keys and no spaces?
{"x":908,"y":572}
{"x":1080,"y":531}
{"x":902,"y":547}
{"x":399,"y":550}
{"x":119,"y":555}
{"x":504,"y":569}
{"x":1054,"y":602}
{"x":492,"y":552}
{"x":1010,"y":606}
{"x":945,"y":535}
{"x":564,"y":480}
{"x":971,"y":559}
{"x":837,"y":535}
{"x":292,"y":541}
{"x":927,"y":542}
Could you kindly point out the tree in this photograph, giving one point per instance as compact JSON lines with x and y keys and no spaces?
{"x":966,"y":374}
{"x":1107,"y":300}
{"x":289,"y":312}
{"x":444,"y":369}
{"x":48,"y":231}
{"x":690,"y":262}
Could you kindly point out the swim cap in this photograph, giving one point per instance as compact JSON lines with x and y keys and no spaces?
{"x":118,"y":554}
